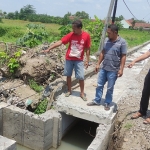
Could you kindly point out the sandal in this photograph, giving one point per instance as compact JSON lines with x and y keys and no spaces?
{"x":146,"y":121}
{"x":92,"y":104}
{"x":67,"y":94}
{"x":136,"y":115}
{"x":106,"y":106}
{"x":84,"y":98}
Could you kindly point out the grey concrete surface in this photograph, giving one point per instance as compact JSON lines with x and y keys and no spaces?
{"x":2,"y":105}
{"x":7,"y":144}
{"x":38,"y":132}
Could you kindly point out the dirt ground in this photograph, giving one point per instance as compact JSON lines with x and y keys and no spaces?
{"x":43,"y":68}
{"x":131,"y":134}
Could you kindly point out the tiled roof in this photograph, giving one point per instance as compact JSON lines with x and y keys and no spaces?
{"x":144,"y":25}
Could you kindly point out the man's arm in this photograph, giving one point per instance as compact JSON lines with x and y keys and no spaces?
{"x":87,"y":50}
{"x":142,"y":57}
{"x":58,"y":43}
{"x":101,"y":57}
{"x":122,"y":63}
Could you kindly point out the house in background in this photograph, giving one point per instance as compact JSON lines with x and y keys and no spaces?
{"x":143,"y":25}
{"x":126,"y":24}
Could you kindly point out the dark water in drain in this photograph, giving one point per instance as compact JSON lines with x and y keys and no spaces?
{"x":78,"y":138}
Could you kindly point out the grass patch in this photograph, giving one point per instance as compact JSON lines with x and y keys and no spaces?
{"x":33,"y":85}
{"x":134,"y":37}
{"x":14,"y":29}
{"x":11,"y":30}
{"x":128,"y":126}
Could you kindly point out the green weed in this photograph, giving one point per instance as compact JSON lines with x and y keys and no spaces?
{"x":41,"y":108}
{"x":33,"y":85}
{"x":128,"y":126}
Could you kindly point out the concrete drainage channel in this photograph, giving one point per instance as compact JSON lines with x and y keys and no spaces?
{"x":41,"y":132}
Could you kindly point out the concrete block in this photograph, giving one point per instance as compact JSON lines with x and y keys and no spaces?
{"x":31,"y":130}
{"x":2,"y":105}
{"x":7,"y":144}
{"x":37,"y":131}
{"x":13,"y":123}
{"x":102,"y":138}
{"x":56,"y":139}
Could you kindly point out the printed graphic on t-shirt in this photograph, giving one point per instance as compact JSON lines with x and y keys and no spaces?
{"x":76,"y":49}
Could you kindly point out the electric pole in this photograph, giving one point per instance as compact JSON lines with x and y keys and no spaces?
{"x":106,"y":26}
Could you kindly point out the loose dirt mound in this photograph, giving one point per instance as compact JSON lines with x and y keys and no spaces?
{"x":40,"y":66}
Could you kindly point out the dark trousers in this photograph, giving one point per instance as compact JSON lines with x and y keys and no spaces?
{"x":145,"y":95}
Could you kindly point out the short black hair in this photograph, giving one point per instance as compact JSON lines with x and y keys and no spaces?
{"x":78,"y":23}
{"x":113,"y":27}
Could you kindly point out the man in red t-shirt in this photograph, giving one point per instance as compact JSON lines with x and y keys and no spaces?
{"x":79,"y":41}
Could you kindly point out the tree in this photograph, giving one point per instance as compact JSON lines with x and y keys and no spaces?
{"x":26,"y":11}
{"x":119,"y":18}
{"x":82,"y":15}
{"x":16,"y":15}
{"x":133,"y":23}
{"x":11,"y":15}
{"x":66,"y":19}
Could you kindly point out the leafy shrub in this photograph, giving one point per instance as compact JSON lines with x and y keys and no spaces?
{"x":65,"y":30}
{"x":41,"y":108}
{"x":3,"y":31}
{"x":11,"y":62}
{"x":33,"y":85}
{"x":35,"y":35}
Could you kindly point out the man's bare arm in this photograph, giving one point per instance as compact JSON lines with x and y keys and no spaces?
{"x":58,"y":43}
{"x":87,"y":50}
{"x":122,"y":64}
{"x":142,"y":57}
{"x":101,"y":58}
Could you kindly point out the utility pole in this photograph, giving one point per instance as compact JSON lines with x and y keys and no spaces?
{"x":114,"y":12}
{"x":106,"y":26}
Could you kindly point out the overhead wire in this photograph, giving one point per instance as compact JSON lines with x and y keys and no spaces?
{"x":149,"y":6}
{"x":148,"y":3}
{"x":129,"y":10}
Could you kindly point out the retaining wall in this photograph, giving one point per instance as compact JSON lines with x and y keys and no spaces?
{"x":38,"y":132}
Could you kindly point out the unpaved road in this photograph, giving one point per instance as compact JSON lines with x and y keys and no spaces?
{"x":131,"y":134}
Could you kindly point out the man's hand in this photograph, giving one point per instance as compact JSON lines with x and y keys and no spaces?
{"x":45,"y":51}
{"x":96,"y":68}
{"x":120,"y":73}
{"x":131,"y":64}
{"x":86,"y":64}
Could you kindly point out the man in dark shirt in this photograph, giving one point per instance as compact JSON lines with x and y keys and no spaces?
{"x":113,"y":56}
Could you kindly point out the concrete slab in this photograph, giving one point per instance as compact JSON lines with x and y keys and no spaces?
{"x":102,"y":138}
{"x":7,"y":144}
{"x":2,"y":105}
{"x":38,"y":132}
{"x":75,"y":106}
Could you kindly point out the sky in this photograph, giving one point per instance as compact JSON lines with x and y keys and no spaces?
{"x":139,"y":8}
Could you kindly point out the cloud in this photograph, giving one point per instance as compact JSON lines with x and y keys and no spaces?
{"x":98,"y":6}
{"x":135,"y":1}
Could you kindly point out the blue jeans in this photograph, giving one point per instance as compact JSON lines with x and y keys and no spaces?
{"x":103,"y":77}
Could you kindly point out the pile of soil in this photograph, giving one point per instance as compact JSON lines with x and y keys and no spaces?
{"x":43,"y":68}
